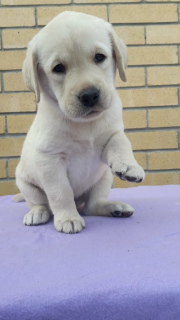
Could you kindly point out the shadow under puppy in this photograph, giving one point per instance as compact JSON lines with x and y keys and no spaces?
{"x":76,"y":142}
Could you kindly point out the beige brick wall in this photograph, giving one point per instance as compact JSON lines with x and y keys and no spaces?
{"x":150,"y":97}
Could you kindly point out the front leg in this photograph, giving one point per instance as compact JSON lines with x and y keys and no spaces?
{"x":53,"y":176}
{"x":97,"y":200}
{"x":119,"y":156}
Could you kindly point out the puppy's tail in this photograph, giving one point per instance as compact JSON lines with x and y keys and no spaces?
{"x":19,"y":197}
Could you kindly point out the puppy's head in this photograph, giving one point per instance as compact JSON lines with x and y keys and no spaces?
{"x":73,"y":61}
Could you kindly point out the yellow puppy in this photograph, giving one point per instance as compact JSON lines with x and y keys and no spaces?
{"x":76,"y":142}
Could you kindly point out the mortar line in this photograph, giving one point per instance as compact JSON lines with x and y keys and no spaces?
{"x":130,"y":130}
{"x":108,"y":12}
{"x":147,"y":118}
{"x":130,"y":24}
{"x":119,"y":89}
{"x":152,"y":130}
{"x":1,"y":39}
{"x":150,"y":108}
{"x":146,"y":79}
{"x":7,"y":171}
{"x":135,"y":151}
{"x":118,"y":24}
{"x":145,"y":36}
{"x":168,"y":45}
{"x":162,"y":171}
{"x":2,"y":82}
{"x":7,"y":168}
{"x":153,"y":45}
{"x":143,"y":2}
{"x":7,"y":179}
{"x":6,"y":125}
{"x":10,"y":157}
{"x":147,"y":161}
{"x":35,"y":15}
{"x":178,"y":133}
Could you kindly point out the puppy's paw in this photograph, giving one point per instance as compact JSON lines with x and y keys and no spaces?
{"x":122,"y":210}
{"x":37,"y":215}
{"x":130,"y":172}
{"x":110,"y":208}
{"x":70,"y":225}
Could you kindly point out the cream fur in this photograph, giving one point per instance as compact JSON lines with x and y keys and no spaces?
{"x":68,"y":153}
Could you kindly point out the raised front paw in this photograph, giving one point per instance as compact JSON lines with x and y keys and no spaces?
{"x":129,"y":172}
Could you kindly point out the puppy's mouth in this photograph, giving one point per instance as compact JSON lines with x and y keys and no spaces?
{"x":92,"y":113}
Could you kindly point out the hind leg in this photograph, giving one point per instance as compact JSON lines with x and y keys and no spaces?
{"x":36,"y":199}
{"x":97,"y":203}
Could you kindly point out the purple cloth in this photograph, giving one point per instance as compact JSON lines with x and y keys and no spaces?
{"x":115,"y":269}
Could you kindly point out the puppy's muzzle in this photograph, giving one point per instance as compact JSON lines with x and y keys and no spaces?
{"x":89,"y":97}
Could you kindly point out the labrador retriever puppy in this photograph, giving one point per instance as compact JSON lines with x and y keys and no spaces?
{"x":77,"y":141}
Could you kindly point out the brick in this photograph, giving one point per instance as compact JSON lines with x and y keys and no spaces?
{"x":104,"y":1}
{"x":12,"y":60}
{"x":153,"y":140}
{"x":13,"y":81}
{"x":134,"y":119}
{"x":164,"y":160}
{"x":168,"y":34}
{"x":164,"y":118}
{"x":3,"y":173}
{"x":152,"y":55}
{"x":17,"y":38}
{"x":143,"y":13}
{"x":141,"y":159}
{"x":135,"y":78}
{"x":11,"y":146}
{"x":131,"y":35}
{"x":162,"y":0}
{"x":32,"y":2}
{"x":151,"y":179}
{"x":163,"y":75}
{"x":118,"y":183}
{"x":17,"y":102}
{"x":163,"y":178}
{"x":12,"y":164}
{"x":8,"y":188}
{"x":150,"y":97}
{"x":19,"y":123}
{"x":2,"y":125}
{"x":45,"y":14}
{"x":17,"y":17}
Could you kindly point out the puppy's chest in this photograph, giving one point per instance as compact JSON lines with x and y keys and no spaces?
{"x":84,"y":165}
{"x":83,"y":154}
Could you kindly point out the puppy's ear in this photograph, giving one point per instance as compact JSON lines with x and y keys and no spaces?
{"x":120,"y":52}
{"x":29,"y":70}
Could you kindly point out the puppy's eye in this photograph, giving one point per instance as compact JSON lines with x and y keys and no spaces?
{"x":59,"y":68}
{"x":99,"y":57}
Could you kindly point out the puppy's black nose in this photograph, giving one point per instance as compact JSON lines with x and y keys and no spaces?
{"x":89,"y":97}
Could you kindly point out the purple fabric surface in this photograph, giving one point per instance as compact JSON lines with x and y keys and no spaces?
{"x":115,"y":269}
